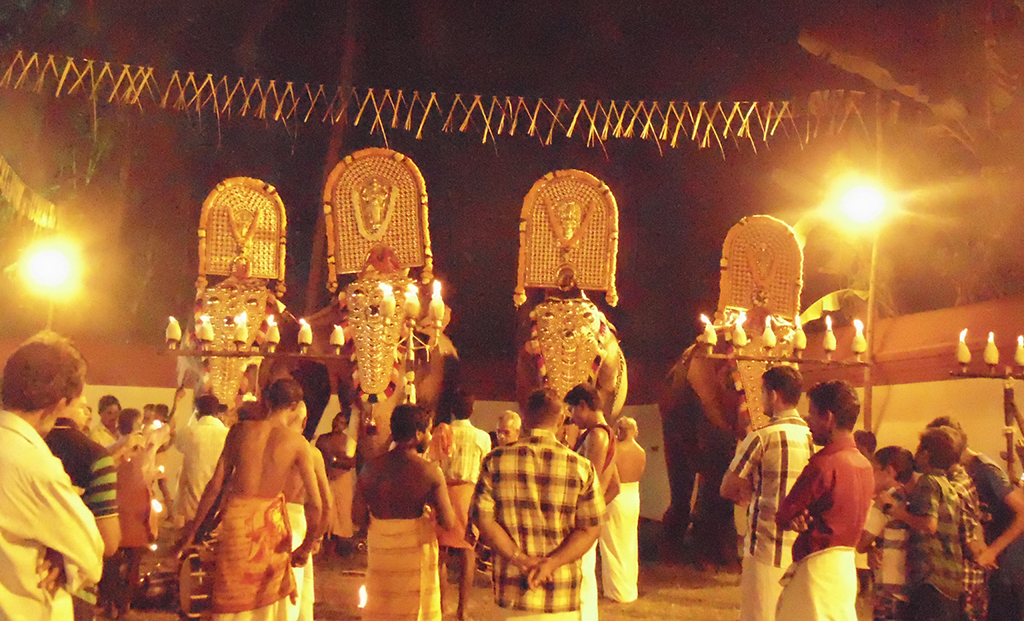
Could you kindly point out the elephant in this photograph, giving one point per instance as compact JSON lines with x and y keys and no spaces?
{"x":321,"y":375}
{"x":703,"y":419}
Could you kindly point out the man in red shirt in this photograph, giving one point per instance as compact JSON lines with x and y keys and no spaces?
{"x":829,"y":504}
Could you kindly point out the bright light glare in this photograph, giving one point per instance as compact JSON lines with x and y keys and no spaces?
{"x":362,"y":596}
{"x":49,"y":268}
{"x":862,"y":203}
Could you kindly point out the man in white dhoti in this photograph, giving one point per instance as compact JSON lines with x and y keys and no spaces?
{"x":829,"y":504}
{"x":338,"y":449}
{"x":297,"y":498}
{"x":596,"y":443}
{"x":765,"y":467}
{"x":618,"y":543}
{"x":401,"y":494}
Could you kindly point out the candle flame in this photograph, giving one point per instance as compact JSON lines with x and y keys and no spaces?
{"x":173,"y":320}
{"x":963,"y":335}
{"x":303,"y":322}
{"x":160,"y":469}
{"x":242,"y":318}
{"x":739,"y":320}
{"x":271,"y":321}
{"x":796,"y":320}
{"x":157,"y":507}
{"x":437,"y":288}
{"x":362,"y":596}
{"x":991,"y":337}
{"x":768,"y":322}
{"x":204,"y":318}
{"x":412,"y":290}
{"x":704,"y":318}
{"x":387,"y":289}
{"x":1020,"y":341}
{"x":858,"y":325}
{"x":828,"y":322}
{"x":152,"y":547}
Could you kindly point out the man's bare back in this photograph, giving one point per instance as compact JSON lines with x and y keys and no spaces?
{"x":262,"y":455}
{"x":398,"y":486}
{"x":631,"y":461}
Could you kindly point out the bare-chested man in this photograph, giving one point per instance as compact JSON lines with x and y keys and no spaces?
{"x":393,"y":491}
{"x":618,"y":542}
{"x":258,"y":459}
{"x":596,"y":443}
{"x":297,"y":498}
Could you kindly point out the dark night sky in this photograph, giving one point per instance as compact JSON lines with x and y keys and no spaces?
{"x":139,"y":212}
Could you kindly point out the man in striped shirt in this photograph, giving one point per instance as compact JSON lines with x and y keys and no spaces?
{"x":766,"y":464}
{"x":92,"y":471}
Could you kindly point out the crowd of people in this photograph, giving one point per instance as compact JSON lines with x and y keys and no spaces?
{"x":941,"y":527}
{"x":537,"y":500}
{"x":83,"y":499}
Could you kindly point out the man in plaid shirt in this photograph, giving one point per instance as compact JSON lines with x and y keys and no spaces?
{"x":539,"y":507}
{"x":766,"y":464}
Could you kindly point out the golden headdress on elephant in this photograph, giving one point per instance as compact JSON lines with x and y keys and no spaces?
{"x":375,"y":201}
{"x":242,"y":231}
{"x":568,"y":235}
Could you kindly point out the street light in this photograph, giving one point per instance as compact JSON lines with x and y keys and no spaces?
{"x":863,"y":203}
{"x":49,"y":268}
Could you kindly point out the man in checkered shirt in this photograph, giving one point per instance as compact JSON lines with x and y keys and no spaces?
{"x":539,"y":507}
{"x":767,"y":463}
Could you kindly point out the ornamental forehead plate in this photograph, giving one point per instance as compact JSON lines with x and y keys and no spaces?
{"x":376,"y":337}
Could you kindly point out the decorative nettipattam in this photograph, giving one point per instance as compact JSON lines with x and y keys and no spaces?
{"x":242,"y":232}
{"x":378,"y":332}
{"x":375,"y":201}
{"x":569,"y":222}
{"x":571,"y":339}
{"x":762,"y":275}
{"x":227,"y":305}
{"x":376,"y":198}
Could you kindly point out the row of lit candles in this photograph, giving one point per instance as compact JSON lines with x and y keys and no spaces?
{"x":769,"y":340}
{"x":991,"y":353}
{"x":410,"y":304}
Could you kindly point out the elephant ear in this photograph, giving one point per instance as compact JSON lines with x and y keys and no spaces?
{"x":706,"y":377}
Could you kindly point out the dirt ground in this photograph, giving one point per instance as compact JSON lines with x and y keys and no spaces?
{"x":668,"y":592}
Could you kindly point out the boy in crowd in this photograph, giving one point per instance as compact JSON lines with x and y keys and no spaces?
{"x":894,"y":478}
{"x":932,"y":511}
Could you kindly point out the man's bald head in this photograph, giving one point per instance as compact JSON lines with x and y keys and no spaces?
{"x":509,"y":426}
{"x":626,"y":428}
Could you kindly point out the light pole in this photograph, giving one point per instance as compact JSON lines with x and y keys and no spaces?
{"x":49,"y":269}
{"x":865,"y":204}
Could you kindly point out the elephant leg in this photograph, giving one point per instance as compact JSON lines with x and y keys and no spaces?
{"x":682,"y":460}
{"x":316,"y":388}
{"x":714,"y":529}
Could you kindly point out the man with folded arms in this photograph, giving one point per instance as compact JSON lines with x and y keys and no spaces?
{"x":828,"y":505}
{"x":539,"y":507}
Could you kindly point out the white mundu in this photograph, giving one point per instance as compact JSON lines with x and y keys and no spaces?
{"x":619,"y":548}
